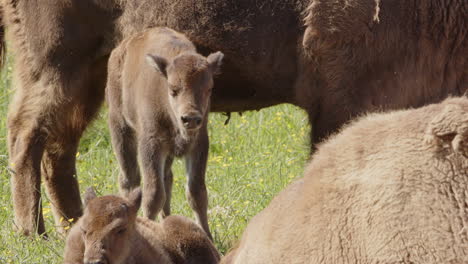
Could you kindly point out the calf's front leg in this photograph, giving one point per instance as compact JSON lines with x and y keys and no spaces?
{"x":195,"y":165}
{"x":125,"y":148}
{"x":152,"y":160}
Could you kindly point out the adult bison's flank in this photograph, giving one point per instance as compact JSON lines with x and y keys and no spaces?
{"x":390,"y":188}
{"x":342,"y":58}
{"x":110,"y":232}
{"x":158,"y":91}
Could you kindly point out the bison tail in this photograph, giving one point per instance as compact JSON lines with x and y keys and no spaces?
{"x":2,"y":39}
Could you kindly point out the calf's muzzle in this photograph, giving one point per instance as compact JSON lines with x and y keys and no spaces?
{"x":192,"y":121}
{"x":96,"y":262}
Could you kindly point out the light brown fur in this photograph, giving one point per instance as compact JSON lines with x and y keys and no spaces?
{"x":389,"y":188}
{"x":158,"y":91}
{"x":110,"y":232}
{"x":412,"y":54}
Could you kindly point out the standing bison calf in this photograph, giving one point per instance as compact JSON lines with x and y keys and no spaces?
{"x":110,"y":232}
{"x":158,"y":91}
{"x":390,"y":188}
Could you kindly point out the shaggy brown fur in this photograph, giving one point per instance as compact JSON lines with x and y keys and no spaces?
{"x":390,"y":188}
{"x":110,"y":232}
{"x":355,"y":54}
{"x":158,"y":91}
{"x":374,"y":54}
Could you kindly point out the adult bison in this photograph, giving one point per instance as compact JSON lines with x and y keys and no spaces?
{"x":348,"y":56}
{"x":390,"y":188}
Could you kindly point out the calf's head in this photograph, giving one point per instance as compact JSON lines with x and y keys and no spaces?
{"x":107,"y":227}
{"x":189,"y":83}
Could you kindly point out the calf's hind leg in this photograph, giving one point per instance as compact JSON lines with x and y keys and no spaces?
{"x":195,"y":165}
{"x":168,"y":180}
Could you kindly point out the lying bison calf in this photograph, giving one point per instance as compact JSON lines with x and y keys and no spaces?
{"x":158,"y":92}
{"x":390,"y":188}
{"x":110,"y":232}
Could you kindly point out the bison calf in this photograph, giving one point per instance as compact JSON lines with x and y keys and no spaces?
{"x":110,"y":232}
{"x":390,"y":188}
{"x":158,"y":92}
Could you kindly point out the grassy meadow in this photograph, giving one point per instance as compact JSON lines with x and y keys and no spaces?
{"x":251,"y":159}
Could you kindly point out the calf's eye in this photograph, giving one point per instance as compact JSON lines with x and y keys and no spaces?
{"x":121,"y":231}
{"x":174,"y":90}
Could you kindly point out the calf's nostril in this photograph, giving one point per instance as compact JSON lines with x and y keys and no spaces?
{"x":97,"y":262}
{"x":191,"y":120}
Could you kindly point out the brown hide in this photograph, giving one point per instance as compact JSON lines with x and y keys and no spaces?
{"x":389,"y":188}
{"x":110,"y":232}
{"x":158,"y":92}
{"x":334,"y":58}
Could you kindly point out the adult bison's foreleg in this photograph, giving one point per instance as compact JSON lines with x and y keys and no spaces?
{"x":196,"y":188}
{"x":168,"y":180}
{"x":152,"y":160}
{"x":329,"y":119}
{"x":59,"y":172}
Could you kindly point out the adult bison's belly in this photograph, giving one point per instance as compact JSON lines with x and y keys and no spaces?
{"x":259,"y":40}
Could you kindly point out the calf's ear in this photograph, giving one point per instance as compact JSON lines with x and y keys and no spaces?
{"x":134,"y":199}
{"x":449,"y":129}
{"x":158,"y":63}
{"x":89,"y":195}
{"x":215,"y":61}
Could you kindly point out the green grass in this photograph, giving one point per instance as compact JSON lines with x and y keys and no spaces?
{"x":251,"y":159}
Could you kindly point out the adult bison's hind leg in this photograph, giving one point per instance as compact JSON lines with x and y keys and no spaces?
{"x":58,"y":170}
{"x":26,"y":181}
{"x":26,"y":142}
{"x":46,"y":119}
{"x":69,"y":121}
